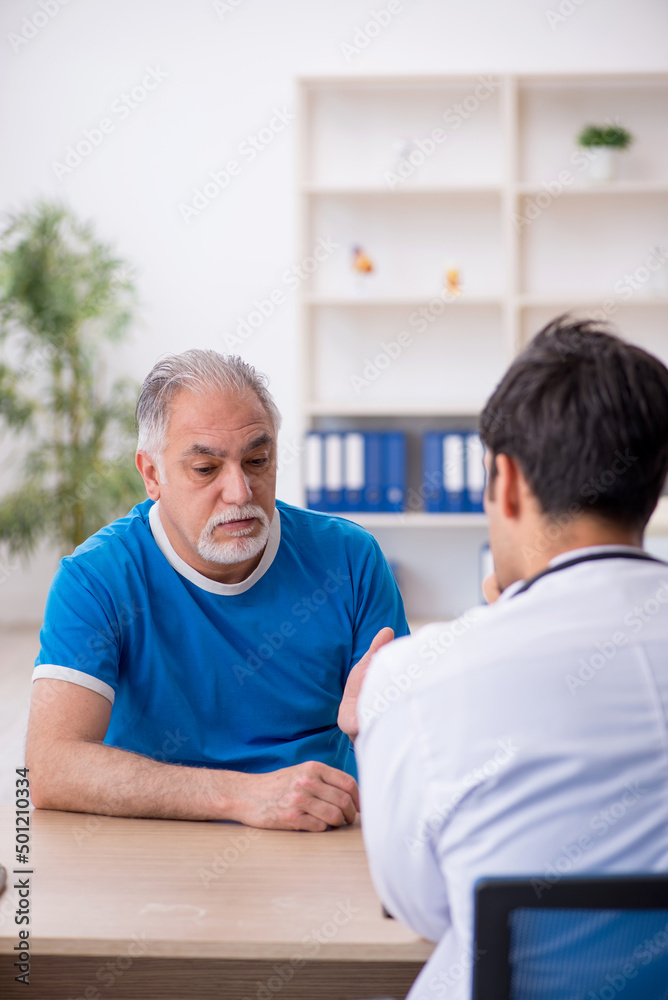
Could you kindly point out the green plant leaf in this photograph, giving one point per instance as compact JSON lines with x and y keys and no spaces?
{"x":614,"y":136}
{"x":63,"y":293}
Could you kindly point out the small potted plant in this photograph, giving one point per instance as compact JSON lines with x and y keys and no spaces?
{"x":604,"y":141}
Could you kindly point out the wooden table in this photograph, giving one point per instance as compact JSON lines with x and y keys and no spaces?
{"x":168,"y":910}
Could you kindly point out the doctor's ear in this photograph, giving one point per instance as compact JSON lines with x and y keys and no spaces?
{"x":508,"y":485}
{"x":150,"y":472}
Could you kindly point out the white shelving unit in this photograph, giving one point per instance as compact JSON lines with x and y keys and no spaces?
{"x":505,"y":196}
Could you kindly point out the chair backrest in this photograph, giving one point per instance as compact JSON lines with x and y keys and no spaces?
{"x":571,"y":938}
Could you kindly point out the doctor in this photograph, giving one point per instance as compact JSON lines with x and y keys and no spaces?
{"x":529,"y":736}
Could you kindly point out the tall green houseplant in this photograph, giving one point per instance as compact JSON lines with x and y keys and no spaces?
{"x":62,"y":295}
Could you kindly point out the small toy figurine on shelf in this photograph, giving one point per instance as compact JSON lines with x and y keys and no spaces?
{"x":363,"y":270}
{"x":452,"y":286}
{"x":361,"y":262}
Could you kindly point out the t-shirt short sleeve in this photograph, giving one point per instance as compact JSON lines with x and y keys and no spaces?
{"x":80,"y":636}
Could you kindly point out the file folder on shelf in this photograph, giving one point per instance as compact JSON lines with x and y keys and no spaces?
{"x":356,"y":471}
{"x":454,"y":474}
{"x":373,"y":468}
{"x":432,"y":472}
{"x":334,"y":472}
{"x":354,"y":478}
{"x":475,"y":472}
{"x":314,"y":471}
{"x":365,"y":471}
{"x":394,"y":471}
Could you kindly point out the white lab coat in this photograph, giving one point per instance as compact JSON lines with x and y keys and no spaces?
{"x":527,"y":737}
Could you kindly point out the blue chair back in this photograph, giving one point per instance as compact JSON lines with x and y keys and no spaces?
{"x":575,"y":938}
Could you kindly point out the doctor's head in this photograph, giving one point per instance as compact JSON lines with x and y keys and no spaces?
{"x":577,"y":446}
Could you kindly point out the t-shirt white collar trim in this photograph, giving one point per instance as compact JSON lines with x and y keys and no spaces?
{"x":203,"y":582}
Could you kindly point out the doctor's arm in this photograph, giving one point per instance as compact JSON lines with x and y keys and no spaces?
{"x":394,"y":807}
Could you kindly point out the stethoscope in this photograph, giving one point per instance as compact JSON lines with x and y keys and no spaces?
{"x":593,"y":557}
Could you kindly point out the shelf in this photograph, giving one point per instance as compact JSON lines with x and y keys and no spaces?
{"x":317,"y":408}
{"x":595,"y":188}
{"x":395,"y":81}
{"x":372,"y":356}
{"x":415,"y":519}
{"x":408,"y":301}
{"x":592,"y":78}
{"x":579,"y":301}
{"x":401,"y":190}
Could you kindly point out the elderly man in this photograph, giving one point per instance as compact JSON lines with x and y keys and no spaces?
{"x":529,"y":737}
{"x":195,"y":654}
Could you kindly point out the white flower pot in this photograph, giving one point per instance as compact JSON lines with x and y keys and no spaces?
{"x":603,"y":164}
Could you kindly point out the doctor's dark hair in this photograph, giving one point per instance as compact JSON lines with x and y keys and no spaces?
{"x":195,"y":371}
{"x":585,"y":415}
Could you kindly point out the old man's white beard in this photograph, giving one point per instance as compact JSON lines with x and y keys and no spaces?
{"x":238,"y":547}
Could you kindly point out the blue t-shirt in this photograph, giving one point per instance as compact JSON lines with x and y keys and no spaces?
{"x":246,"y":676}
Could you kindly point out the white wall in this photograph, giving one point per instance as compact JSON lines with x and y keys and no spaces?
{"x":228,"y":65}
